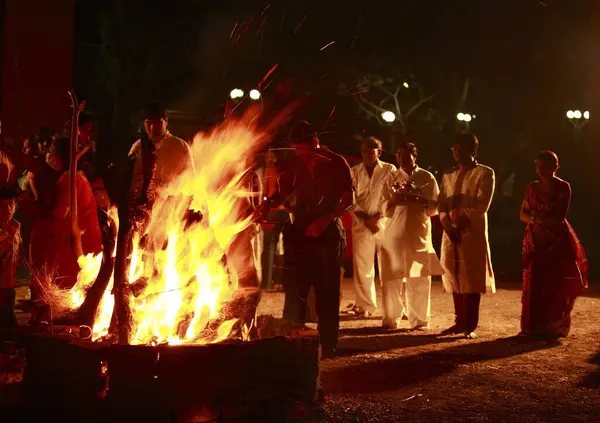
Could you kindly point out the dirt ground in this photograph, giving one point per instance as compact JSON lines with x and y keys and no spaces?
{"x":420,"y":377}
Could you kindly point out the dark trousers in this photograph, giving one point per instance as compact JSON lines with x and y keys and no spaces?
{"x":316,"y":263}
{"x":270,"y":241}
{"x":8,"y":321}
{"x":466,"y":310}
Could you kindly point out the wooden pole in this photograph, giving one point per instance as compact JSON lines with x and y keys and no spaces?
{"x":75,"y":231}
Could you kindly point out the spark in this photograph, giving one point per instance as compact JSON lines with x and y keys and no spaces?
{"x":356,"y":35}
{"x":300,"y":24}
{"x":262,"y":24}
{"x":262,"y":81}
{"x":283,"y":16}
{"x":543,"y":4}
{"x":317,"y":80}
{"x":360,"y":92}
{"x":328,"y":118}
{"x":355,"y":86}
{"x":327,"y":45}
{"x":270,"y":82}
{"x":233,"y":31}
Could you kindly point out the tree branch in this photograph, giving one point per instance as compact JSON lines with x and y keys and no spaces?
{"x":419,"y":104}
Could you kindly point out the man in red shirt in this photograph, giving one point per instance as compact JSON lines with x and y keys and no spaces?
{"x":317,"y":189}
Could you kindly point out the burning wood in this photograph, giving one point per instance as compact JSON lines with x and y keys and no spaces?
{"x":178,"y":267}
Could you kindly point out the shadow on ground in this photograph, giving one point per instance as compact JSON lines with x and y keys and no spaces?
{"x":592,"y":380}
{"x":376,"y":339}
{"x":390,"y":374}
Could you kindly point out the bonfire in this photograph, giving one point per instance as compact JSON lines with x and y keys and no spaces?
{"x":179,"y":283}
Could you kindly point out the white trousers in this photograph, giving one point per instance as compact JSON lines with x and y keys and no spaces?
{"x":365,"y":246}
{"x":408,"y":297}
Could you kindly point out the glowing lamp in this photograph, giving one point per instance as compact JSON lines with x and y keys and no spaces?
{"x":388,"y":116}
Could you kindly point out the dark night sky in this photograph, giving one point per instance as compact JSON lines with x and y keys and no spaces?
{"x":526,"y":61}
{"x":525,"y":58}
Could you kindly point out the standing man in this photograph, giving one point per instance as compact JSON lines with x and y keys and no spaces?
{"x":173,"y":155}
{"x":465,"y":198}
{"x":368,"y":225}
{"x":408,"y":259}
{"x":317,"y":189}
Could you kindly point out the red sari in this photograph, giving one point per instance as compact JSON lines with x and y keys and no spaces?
{"x":554,"y":262}
{"x":51,"y":248}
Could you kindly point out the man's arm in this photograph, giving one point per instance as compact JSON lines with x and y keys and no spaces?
{"x":356,"y":209}
{"x":386,"y":198}
{"x":483,"y":198}
{"x":432,"y":193}
{"x":444,"y":211}
{"x":344,"y":203}
{"x":346,"y":192}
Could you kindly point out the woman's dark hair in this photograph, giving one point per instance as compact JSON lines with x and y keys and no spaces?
{"x":62,"y":148}
{"x":549,"y":159}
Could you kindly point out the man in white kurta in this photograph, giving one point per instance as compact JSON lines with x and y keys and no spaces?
{"x":408,"y":260}
{"x":173,"y":155}
{"x":367,"y":224}
{"x":465,"y":198}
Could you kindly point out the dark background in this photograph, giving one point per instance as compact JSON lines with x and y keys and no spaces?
{"x":518,"y":65}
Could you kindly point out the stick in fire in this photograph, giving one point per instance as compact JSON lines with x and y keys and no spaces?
{"x":75,"y":232}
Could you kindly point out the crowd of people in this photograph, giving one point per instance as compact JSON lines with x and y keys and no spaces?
{"x":302,"y":202}
{"x":392,"y":221}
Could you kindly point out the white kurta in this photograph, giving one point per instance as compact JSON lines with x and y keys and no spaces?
{"x":366,"y":244}
{"x":468,"y":265}
{"x":407,"y":256}
{"x":407,"y":250}
{"x":173,"y":156}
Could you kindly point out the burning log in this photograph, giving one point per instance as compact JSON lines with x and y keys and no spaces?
{"x":87,"y":311}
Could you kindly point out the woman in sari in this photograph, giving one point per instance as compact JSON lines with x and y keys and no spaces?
{"x":554,"y":263}
{"x":51,"y":250}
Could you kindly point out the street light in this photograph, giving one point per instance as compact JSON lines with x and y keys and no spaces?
{"x":236,"y":93}
{"x":388,"y":116}
{"x":254,"y":94}
{"x":464,"y":117}
{"x":578,"y":119}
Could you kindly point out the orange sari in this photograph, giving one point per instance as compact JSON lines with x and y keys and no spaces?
{"x":51,"y":251}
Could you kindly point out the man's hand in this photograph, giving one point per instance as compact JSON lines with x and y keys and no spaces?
{"x":464,"y":222}
{"x":361,"y":215}
{"x":317,"y":227}
{"x":371,"y":224}
{"x":451,"y":230}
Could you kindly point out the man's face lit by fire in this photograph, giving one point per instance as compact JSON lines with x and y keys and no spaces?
{"x":463,"y":154}
{"x":406,"y":157}
{"x":369,"y":155}
{"x":155,"y":128}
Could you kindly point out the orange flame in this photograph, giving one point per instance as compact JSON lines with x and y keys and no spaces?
{"x":187,"y":282}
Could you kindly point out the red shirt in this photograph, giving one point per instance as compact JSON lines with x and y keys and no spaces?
{"x":316,"y":194}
